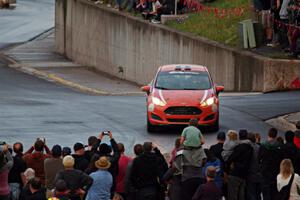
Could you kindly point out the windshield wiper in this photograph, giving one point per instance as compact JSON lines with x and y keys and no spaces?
{"x":162,"y":88}
{"x":190,"y":89}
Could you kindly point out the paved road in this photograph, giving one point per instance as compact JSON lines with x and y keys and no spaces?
{"x":31,"y":108}
{"x":26,"y":20}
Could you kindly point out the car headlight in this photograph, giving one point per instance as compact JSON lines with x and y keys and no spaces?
{"x":158,"y":102}
{"x":208,"y":102}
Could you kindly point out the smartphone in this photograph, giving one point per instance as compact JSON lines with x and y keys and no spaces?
{"x":105,"y":132}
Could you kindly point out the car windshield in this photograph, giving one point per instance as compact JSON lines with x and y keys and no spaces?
{"x":183,"y":80}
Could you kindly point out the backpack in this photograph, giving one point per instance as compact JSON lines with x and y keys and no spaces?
{"x":284,"y":193}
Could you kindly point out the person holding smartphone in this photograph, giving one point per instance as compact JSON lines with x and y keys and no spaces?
{"x":111,"y":152}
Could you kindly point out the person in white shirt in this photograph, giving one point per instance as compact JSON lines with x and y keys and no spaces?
{"x":284,"y":182}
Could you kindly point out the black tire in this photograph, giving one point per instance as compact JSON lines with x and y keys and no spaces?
{"x":150,"y":128}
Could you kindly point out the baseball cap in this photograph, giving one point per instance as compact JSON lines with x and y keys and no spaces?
{"x":78,"y":146}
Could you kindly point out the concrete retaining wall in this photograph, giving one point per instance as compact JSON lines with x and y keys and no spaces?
{"x":109,"y":40}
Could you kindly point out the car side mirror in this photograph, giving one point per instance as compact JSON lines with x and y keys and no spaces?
{"x":219,"y":89}
{"x":146,"y":89}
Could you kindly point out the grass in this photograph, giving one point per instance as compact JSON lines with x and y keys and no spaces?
{"x":207,"y":24}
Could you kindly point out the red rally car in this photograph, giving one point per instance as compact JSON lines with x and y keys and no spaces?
{"x":179,"y":93}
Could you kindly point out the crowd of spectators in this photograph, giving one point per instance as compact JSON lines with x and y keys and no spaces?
{"x":149,"y":9}
{"x":237,"y":167}
{"x":280,"y":20}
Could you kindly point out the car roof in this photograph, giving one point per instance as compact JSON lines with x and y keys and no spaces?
{"x":174,"y":67}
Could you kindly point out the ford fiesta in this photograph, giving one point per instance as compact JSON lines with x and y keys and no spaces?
{"x":179,"y":93}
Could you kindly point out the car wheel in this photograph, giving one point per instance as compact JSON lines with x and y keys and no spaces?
{"x":150,"y":127}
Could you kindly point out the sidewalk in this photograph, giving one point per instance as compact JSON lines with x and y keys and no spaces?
{"x":38,"y":58}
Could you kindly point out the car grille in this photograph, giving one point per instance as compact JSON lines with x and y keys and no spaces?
{"x":183,"y":110}
{"x":178,"y":120}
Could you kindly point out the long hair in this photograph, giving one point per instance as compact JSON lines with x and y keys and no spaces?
{"x":286,"y":168}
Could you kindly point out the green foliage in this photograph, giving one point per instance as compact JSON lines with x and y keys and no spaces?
{"x":207,"y":24}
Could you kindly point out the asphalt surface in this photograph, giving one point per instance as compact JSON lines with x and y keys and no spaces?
{"x":32,"y":108}
{"x":25,"y":20}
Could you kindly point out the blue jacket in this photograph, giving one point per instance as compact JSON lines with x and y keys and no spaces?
{"x":219,"y":172}
{"x":100,"y":189}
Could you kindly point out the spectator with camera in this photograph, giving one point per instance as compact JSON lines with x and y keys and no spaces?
{"x":111,"y":152}
{"x":16,"y":176}
{"x":35,"y":157}
{"x":6,"y":163}
{"x":77,"y":181}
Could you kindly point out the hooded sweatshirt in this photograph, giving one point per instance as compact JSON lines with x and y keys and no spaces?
{"x":240,"y":159}
{"x":270,"y":156}
{"x":4,"y":170}
{"x":36,"y":161}
{"x":228,"y":148}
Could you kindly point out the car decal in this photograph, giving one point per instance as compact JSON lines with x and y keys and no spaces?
{"x":161,"y":96}
{"x":204,"y":96}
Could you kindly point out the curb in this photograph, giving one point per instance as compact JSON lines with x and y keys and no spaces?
{"x":54,"y":78}
{"x":282,"y":123}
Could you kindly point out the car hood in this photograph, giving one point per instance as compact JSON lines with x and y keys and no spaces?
{"x":183,"y":96}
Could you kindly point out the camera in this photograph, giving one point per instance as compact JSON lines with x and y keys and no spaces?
{"x":105,"y":132}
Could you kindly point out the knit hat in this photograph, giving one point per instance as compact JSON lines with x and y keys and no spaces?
{"x":102,"y":163}
{"x":66,"y":151}
{"x":78,"y":146}
{"x":297,"y":139}
{"x":68,"y":161}
{"x":211,"y":172}
{"x":56,"y":150}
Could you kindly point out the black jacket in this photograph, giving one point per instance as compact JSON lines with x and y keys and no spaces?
{"x":74,"y":179}
{"x":27,"y":195}
{"x":270,"y":156}
{"x":145,"y":171}
{"x":113,"y":158}
{"x":290,"y":151}
{"x":216,"y":150}
{"x":240,"y":159}
{"x":81,"y":163}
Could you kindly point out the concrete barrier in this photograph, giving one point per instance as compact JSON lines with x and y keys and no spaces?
{"x":131,"y":48}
